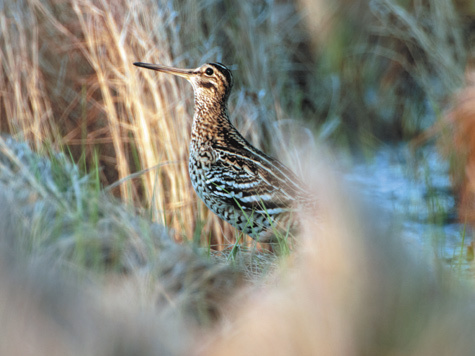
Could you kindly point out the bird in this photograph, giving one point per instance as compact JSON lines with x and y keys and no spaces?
{"x":252,"y":191}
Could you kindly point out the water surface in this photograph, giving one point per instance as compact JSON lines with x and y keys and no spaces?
{"x":414,"y":188}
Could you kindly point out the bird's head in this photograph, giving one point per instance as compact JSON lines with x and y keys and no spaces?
{"x":210,"y":81}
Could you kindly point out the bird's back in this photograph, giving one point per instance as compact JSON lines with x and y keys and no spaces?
{"x":244,"y":186}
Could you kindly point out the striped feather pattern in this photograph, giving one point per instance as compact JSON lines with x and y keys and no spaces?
{"x":242,"y":185}
{"x":238,"y":182}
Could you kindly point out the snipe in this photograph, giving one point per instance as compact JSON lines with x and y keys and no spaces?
{"x":242,"y":185}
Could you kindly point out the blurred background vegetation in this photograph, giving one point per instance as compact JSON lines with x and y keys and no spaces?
{"x":351,"y":74}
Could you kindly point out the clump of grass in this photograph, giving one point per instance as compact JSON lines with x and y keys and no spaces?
{"x":456,"y":140}
{"x":45,"y":312}
{"x":352,"y":287}
{"x":52,"y":212}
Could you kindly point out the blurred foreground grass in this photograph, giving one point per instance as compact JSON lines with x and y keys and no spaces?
{"x":51,"y":213}
{"x":91,"y":277}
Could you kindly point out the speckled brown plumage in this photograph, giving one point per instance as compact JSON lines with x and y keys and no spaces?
{"x":242,"y":185}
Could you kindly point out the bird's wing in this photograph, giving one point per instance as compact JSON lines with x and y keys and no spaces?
{"x":252,"y":180}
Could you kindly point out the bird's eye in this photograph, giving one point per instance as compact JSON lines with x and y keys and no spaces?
{"x":209,"y":71}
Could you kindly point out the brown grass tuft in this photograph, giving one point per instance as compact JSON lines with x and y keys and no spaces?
{"x":459,"y":145}
{"x":51,"y":213}
{"x":352,"y":289}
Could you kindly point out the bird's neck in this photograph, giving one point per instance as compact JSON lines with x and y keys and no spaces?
{"x":210,"y":122}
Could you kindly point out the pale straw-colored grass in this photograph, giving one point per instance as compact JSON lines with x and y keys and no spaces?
{"x":68,"y":79}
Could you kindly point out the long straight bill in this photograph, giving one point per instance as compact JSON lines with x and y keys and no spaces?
{"x":185,"y":73}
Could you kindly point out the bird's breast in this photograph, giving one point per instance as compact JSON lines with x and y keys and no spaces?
{"x":202,"y":158}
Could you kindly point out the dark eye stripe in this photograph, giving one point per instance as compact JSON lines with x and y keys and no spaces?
{"x":207,"y":85}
